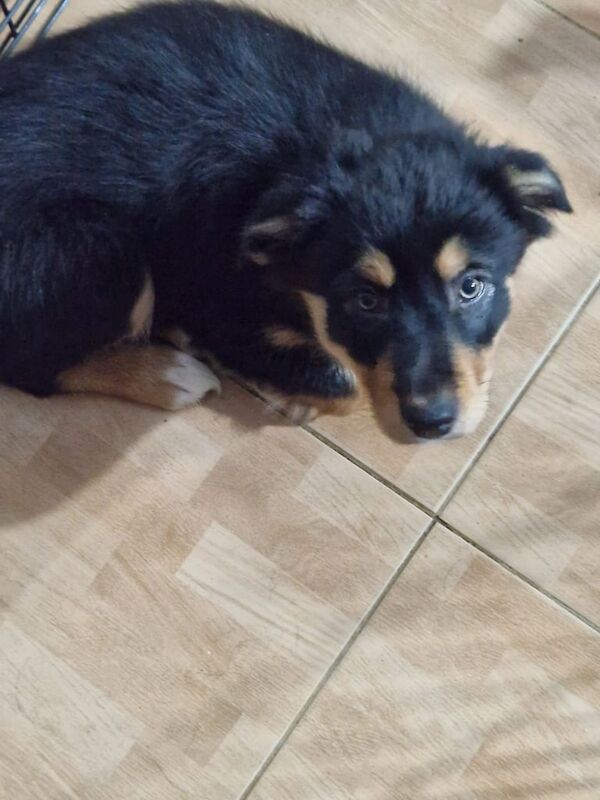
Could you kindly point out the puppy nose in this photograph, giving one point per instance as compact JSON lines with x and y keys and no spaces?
{"x":430,"y":417}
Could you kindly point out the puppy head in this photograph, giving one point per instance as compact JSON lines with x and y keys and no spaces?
{"x":403,"y":251}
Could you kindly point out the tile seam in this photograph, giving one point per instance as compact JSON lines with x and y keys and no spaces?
{"x":337,"y":661}
{"x":528,"y":382}
{"x":580,"y":26}
{"x":520,"y":575}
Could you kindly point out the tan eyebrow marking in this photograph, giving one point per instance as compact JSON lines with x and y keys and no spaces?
{"x":452,"y":259}
{"x":376,"y":266}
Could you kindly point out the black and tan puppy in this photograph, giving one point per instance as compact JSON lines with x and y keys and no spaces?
{"x":202,"y":174}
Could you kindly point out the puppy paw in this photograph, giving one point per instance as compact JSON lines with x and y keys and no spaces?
{"x":299,"y":413}
{"x":187,"y":381}
{"x":302,"y":409}
{"x":299,"y":410}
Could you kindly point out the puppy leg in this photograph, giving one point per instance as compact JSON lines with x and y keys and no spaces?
{"x":301,"y":409}
{"x":149,"y":374}
{"x":74,"y":281}
{"x":293,"y":372}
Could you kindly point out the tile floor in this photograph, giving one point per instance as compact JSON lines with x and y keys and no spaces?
{"x":218,"y":606}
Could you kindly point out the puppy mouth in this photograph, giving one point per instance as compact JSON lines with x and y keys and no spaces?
{"x":458,"y":430}
{"x":424,"y":433}
{"x":455,"y":410}
{"x":430,"y":416}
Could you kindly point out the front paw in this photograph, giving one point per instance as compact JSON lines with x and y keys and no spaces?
{"x":299,"y":412}
{"x":184,"y":382}
{"x":304,"y":409}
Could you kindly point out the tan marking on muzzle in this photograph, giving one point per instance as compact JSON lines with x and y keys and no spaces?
{"x":452,"y":259}
{"x":381,"y":380}
{"x":472,"y":374}
{"x":384,"y":400}
{"x":375,"y":266}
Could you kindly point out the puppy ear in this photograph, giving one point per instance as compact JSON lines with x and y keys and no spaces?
{"x":530,"y":187}
{"x":291,"y":211}
{"x":263,"y":240}
{"x":285,"y":218}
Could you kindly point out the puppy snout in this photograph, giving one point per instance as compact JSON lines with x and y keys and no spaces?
{"x":430,"y":416}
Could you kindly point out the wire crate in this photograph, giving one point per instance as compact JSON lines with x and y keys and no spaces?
{"x":17,"y":17}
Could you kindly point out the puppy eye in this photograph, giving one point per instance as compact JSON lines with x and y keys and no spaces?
{"x":369,"y":301}
{"x":471,"y":289}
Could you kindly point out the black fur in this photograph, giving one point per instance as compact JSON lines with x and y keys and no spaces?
{"x":159,"y":140}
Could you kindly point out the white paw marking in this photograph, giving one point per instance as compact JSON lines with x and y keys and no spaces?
{"x":191,"y":381}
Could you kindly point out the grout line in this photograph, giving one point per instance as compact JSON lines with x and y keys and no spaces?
{"x":366,"y":618}
{"x":371,"y":472}
{"x":324,"y":679}
{"x":515,"y":572}
{"x":343,"y":453}
{"x":555,"y":343}
{"x":568,"y":19}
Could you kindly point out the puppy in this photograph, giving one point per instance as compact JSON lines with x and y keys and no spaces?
{"x":207,"y":176}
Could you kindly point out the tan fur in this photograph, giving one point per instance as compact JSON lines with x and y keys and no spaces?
{"x":529,"y":183}
{"x":452,"y":259}
{"x":178,"y":338}
{"x":302,"y":409}
{"x":375,"y":266}
{"x":277,"y":228}
{"x":262,"y":259}
{"x":282,"y":337}
{"x":472,"y":374}
{"x":140,"y":319}
{"x":148,"y":374}
{"x":317,"y":308}
{"x":383,"y":399}
{"x":380,"y":381}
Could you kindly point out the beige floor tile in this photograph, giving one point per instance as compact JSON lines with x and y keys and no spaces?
{"x":583,"y":12}
{"x":171,"y":590}
{"x":465,"y":685}
{"x":534,"y":497}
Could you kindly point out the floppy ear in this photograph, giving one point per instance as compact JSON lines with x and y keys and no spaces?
{"x":530,"y":188}
{"x":292,"y":210}
{"x":285,"y":218}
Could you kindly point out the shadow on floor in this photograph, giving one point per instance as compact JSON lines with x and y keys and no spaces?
{"x":52,"y":449}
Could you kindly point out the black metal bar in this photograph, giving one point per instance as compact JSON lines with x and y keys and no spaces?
{"x":52,"y":18}
{"x":15,"y":24}
{"x":9,"y":16}
{"x":7,"y":19}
